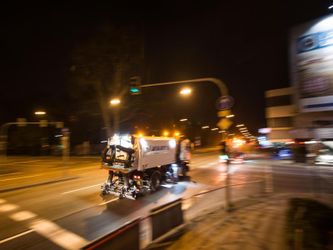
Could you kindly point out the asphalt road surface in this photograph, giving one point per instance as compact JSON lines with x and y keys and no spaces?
{"x":69,"y":212}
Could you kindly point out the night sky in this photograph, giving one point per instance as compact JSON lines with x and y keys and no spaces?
{"x":244,"y":43}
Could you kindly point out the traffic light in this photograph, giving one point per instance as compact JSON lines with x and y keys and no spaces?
{"x":135,"y":85}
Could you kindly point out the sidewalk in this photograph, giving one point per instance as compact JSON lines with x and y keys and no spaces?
{"x":258,"y":223}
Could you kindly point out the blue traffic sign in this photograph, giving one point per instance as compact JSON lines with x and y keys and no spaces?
{"x":224,"y":102}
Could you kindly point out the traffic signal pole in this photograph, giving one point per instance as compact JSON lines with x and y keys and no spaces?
{"x":220,"y":84}
{"x":223,"y":92}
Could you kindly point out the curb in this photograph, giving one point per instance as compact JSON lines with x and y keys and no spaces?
{"x":165,"y":239}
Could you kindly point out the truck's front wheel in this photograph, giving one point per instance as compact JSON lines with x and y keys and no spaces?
{"x":155,"y":181}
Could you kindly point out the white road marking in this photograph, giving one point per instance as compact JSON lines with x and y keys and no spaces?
{"x":58,"y":235}
{"x":22,"y":215}
{"x":95,"y":167}
{"x":22,"y":177}
{"x":11,"y":174}
{"x":15,"y":236}
{"x":19,"y":162}
{"x":83,"y":188}
{"x":109,"y":201}
{"x":46,"y":228}
{"x":8,"y":207}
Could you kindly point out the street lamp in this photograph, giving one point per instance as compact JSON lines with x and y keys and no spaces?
{"x":115,"y":101}
{"x":240,"y":125}
{"x":230,"y":116}
{"x":204,"y":127}
{"x":165,"y":133}
{"x":185,"y":91}
{"x":40,"y":113}
{"x":183,"y":120}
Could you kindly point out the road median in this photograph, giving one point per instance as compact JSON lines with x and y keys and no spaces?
{"x":34,"y":183}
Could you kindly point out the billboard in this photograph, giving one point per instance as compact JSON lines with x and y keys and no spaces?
{"x":311,"y":53}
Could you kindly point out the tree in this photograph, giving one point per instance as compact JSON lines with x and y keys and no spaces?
{"x":101,"y":67}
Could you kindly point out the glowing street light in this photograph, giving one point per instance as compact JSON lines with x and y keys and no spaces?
{"x":214,"y":129}
{"x":330,"y":7}
{"x":240,"y":125}
{"x":39,"y":112}
{"x":176,"y":134}
{"x":115,"y":101}
{"x":183,"y":120}
{"x":165,"y":133}
{"x":205,"y":127}
{"x":230,"y":116}
{"x":185,"y":91}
